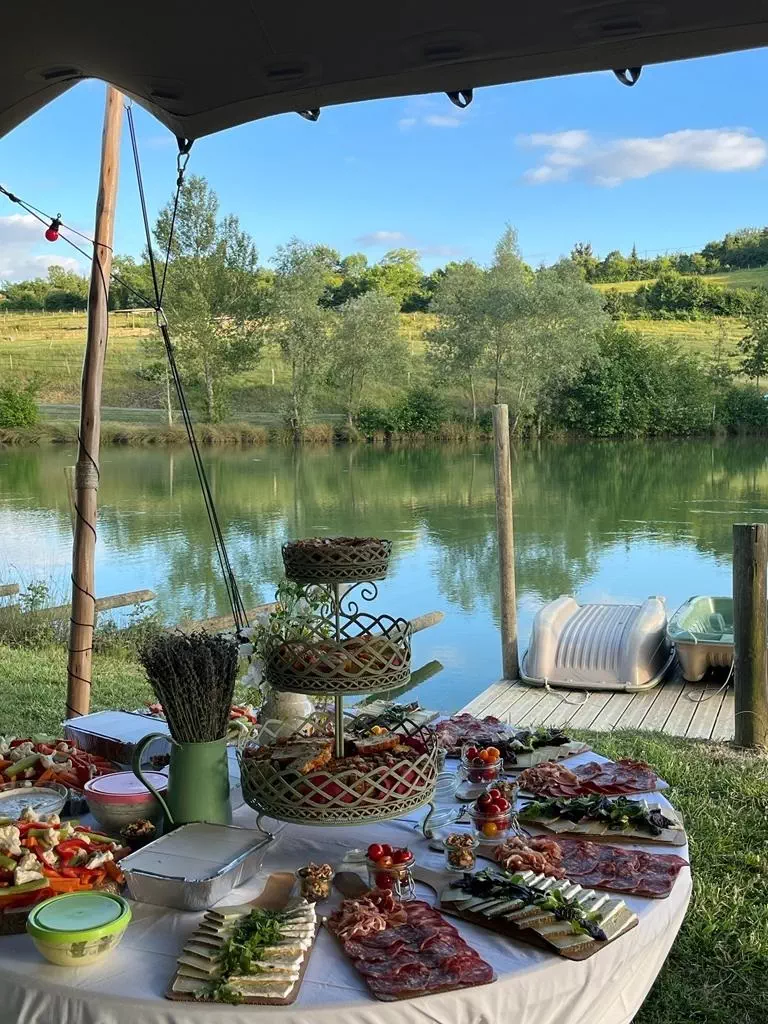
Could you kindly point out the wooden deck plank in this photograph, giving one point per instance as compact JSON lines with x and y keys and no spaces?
{"x":479,"y":703}
{"x":610,"y":716}
{"x":522,"y":706}
{"x":504,"y":707}
{"x":705,"y":711}
{"x":588,"y":712}
{"x":659,"y":712}
{"x":562,"y":715}
{"x":724,"y":726}
{"x":536,"y":714}
{"x":681,"y":714}
{"x":640,"y":706}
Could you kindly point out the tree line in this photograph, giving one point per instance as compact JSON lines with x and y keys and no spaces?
{"x":543,"y":340}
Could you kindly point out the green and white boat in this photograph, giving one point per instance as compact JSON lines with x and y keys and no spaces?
{"x":702,"y":632}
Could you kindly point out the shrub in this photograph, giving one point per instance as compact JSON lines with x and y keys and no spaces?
{"x":372,"y":419}
{"x":18,"y":404}
{"x":421,"y":411}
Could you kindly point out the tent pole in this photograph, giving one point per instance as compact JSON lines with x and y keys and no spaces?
{"x":86,"y":470}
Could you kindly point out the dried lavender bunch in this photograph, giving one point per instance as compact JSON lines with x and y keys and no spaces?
{"x":193,"y":676}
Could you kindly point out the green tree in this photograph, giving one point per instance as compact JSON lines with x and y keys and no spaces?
{"x":299,"y":323}
{"x":18,"y":403}
{"x":584,"y":258}
{"x":398,"y":273}
{"x":719,"y":371}
{"x":456,"y":346}
{"x":366,"y":343}
{"x":213,"y":296}
{"x":133,"y":277}
{"x":754,"y":345}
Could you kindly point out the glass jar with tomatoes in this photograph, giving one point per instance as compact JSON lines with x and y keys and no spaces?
{"x":492,"y":815}
{"x":481,"y":765}
{"x":389,"y":869}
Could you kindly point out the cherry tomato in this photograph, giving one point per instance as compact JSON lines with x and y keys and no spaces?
{"x":384,"y":880}
{"x":375,"y":851}
{"x":471,"y":753}
{"x":489,"y":773}
{"x":386,"y":849}
{"x":503,"y":804}
{"x":494,"y":793}
{"x":494,"y":809}
{"x":490,"y":828}
{"x":401,"y":856}
{"x":478,"y":762}
{"x":386,"y":861}
{"x":493,"y":753}
{"x":484,"y":801}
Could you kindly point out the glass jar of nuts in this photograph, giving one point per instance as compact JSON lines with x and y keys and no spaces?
{"x":315,"y":881}
{"x":461,"y":851}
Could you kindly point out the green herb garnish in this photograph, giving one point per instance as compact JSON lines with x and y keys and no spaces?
{"x":242,"y":951}
{"x":618,"y":813}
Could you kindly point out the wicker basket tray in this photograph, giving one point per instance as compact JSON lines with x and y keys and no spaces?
{"x":373,"y":655}
{"x":343,"y":798}
{"x":336,"y":559}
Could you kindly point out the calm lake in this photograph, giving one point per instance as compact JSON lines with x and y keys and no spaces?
{"x":623,"y":520}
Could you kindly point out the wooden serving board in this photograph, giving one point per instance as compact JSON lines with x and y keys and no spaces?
{"x":598,"y":833}
{"x":561,"y":753}
{"x":439,"y":880}
{"x":351,"y":885}
{"x":274,"y":896}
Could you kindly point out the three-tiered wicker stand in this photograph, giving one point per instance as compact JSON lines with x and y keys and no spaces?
{"x":343,"y":651}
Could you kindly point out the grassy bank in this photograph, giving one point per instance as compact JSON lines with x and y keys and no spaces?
{"x":716,"y":972}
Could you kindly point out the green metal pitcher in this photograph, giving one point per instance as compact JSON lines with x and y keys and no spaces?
{"x":198,"y":781}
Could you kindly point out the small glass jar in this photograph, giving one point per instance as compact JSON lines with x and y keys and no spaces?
{"x":477,"y":771}
{"x":491,"y":828}
{"x":396,"y":878}
{"x":460,"y":851}
{"x":315,"y":881}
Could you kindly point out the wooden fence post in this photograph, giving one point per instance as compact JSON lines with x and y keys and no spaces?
{"x":505,"y":532}
{"x":750,"y":678}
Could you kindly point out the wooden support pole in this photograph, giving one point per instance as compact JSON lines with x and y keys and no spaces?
{"x":750,"y":675}
{"x":86,"y":470}
{"x":506,"y":535}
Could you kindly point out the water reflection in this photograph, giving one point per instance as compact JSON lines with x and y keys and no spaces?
{"x":623,"y":520}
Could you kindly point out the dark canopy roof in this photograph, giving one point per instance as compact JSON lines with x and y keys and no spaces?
{"x":202,"y":67}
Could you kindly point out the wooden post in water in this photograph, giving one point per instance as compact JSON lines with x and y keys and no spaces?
{"x":750,"y":675}
{"x":87,"y":468}
{"x":506,"y":535}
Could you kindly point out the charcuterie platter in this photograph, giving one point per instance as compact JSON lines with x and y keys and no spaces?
{"x":403,"y":949}
{"x":600,"y":818}
{"x":554,"y":914}
{"x":254,"y":953}
{"x":520,"y":748}
{"x":606,"y":778}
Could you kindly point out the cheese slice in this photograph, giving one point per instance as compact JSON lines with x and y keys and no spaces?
{"x":196,"y":949}
{"x":265,"y":990}
{"x":188,"y":985}
{"x":572,"y":941}
{"x":185,"y":971}
{"x":236,"y":980}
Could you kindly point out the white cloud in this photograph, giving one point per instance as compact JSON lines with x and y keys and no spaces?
{"x":374,"y":238}
{"x":577,"y":154}
{"x":445,"y":251}
{"x":406,"y":122}
{"x":442,"y":121}
{"x":20,"y":236}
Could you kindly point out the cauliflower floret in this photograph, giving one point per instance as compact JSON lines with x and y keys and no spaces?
{"x":50,"y":838}
{"x":23,"y":750}
{"x":63,"y":747}
{"x":28,"y":814}
{"x":27,"y":870}
{"x":62,"y":766}
{"x":50,"y":857}
{"x":78,"y":858}
{"x":46,"y":762}
{"x":30,"y":773}
{"x":98,"y":859}
{"x":5,"y":745}
{"x":53,"y":819}
{"x":10,"y":840}
{"x":67,"y":830}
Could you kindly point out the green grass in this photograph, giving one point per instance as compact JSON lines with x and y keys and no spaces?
{"x":717,"y":971}
{"x":757,"y":278}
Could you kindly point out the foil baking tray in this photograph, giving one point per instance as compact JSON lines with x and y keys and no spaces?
{"x":195,"y":866}
{"x":115,"y":735}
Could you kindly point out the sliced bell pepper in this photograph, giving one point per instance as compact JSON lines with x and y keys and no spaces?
{"x":65,"y":884}
{"x":48,"y":776}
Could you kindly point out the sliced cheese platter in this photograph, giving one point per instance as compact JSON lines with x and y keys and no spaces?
{"x":602,"y":819}
{"x":255,"y":953}
{"x":551,"y":913}
{"x":520,"y":747}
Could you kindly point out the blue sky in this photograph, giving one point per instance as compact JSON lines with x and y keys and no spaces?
{"x":579,"y":158}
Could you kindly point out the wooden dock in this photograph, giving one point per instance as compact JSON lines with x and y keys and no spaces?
{"x":666,"y":708}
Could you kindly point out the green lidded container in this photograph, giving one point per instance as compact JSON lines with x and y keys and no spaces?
{"x":78,"y":928}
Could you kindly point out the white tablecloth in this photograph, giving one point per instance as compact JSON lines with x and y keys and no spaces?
{"x":533,"y":986}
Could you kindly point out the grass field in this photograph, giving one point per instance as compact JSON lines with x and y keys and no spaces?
{"x":757,"y":278}
{"x":716,"y":972}
{"x":51,"y":345}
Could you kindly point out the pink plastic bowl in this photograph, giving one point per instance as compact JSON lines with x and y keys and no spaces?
{"x":117,"y":800}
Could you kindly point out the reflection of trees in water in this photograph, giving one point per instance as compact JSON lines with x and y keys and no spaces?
{"x":572,"y":501}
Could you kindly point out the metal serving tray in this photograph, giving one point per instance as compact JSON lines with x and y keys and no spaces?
{"x":195,"y":866}
{"x":116,"y":734}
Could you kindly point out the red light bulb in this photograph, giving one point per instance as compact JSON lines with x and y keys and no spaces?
{"x":52,"y":233}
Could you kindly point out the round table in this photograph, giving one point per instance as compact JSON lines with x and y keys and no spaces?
{"x":533,"y":985}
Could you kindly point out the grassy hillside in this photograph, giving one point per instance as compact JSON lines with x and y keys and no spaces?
{"x":757,"y":278}
{"x":51,"y":345}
